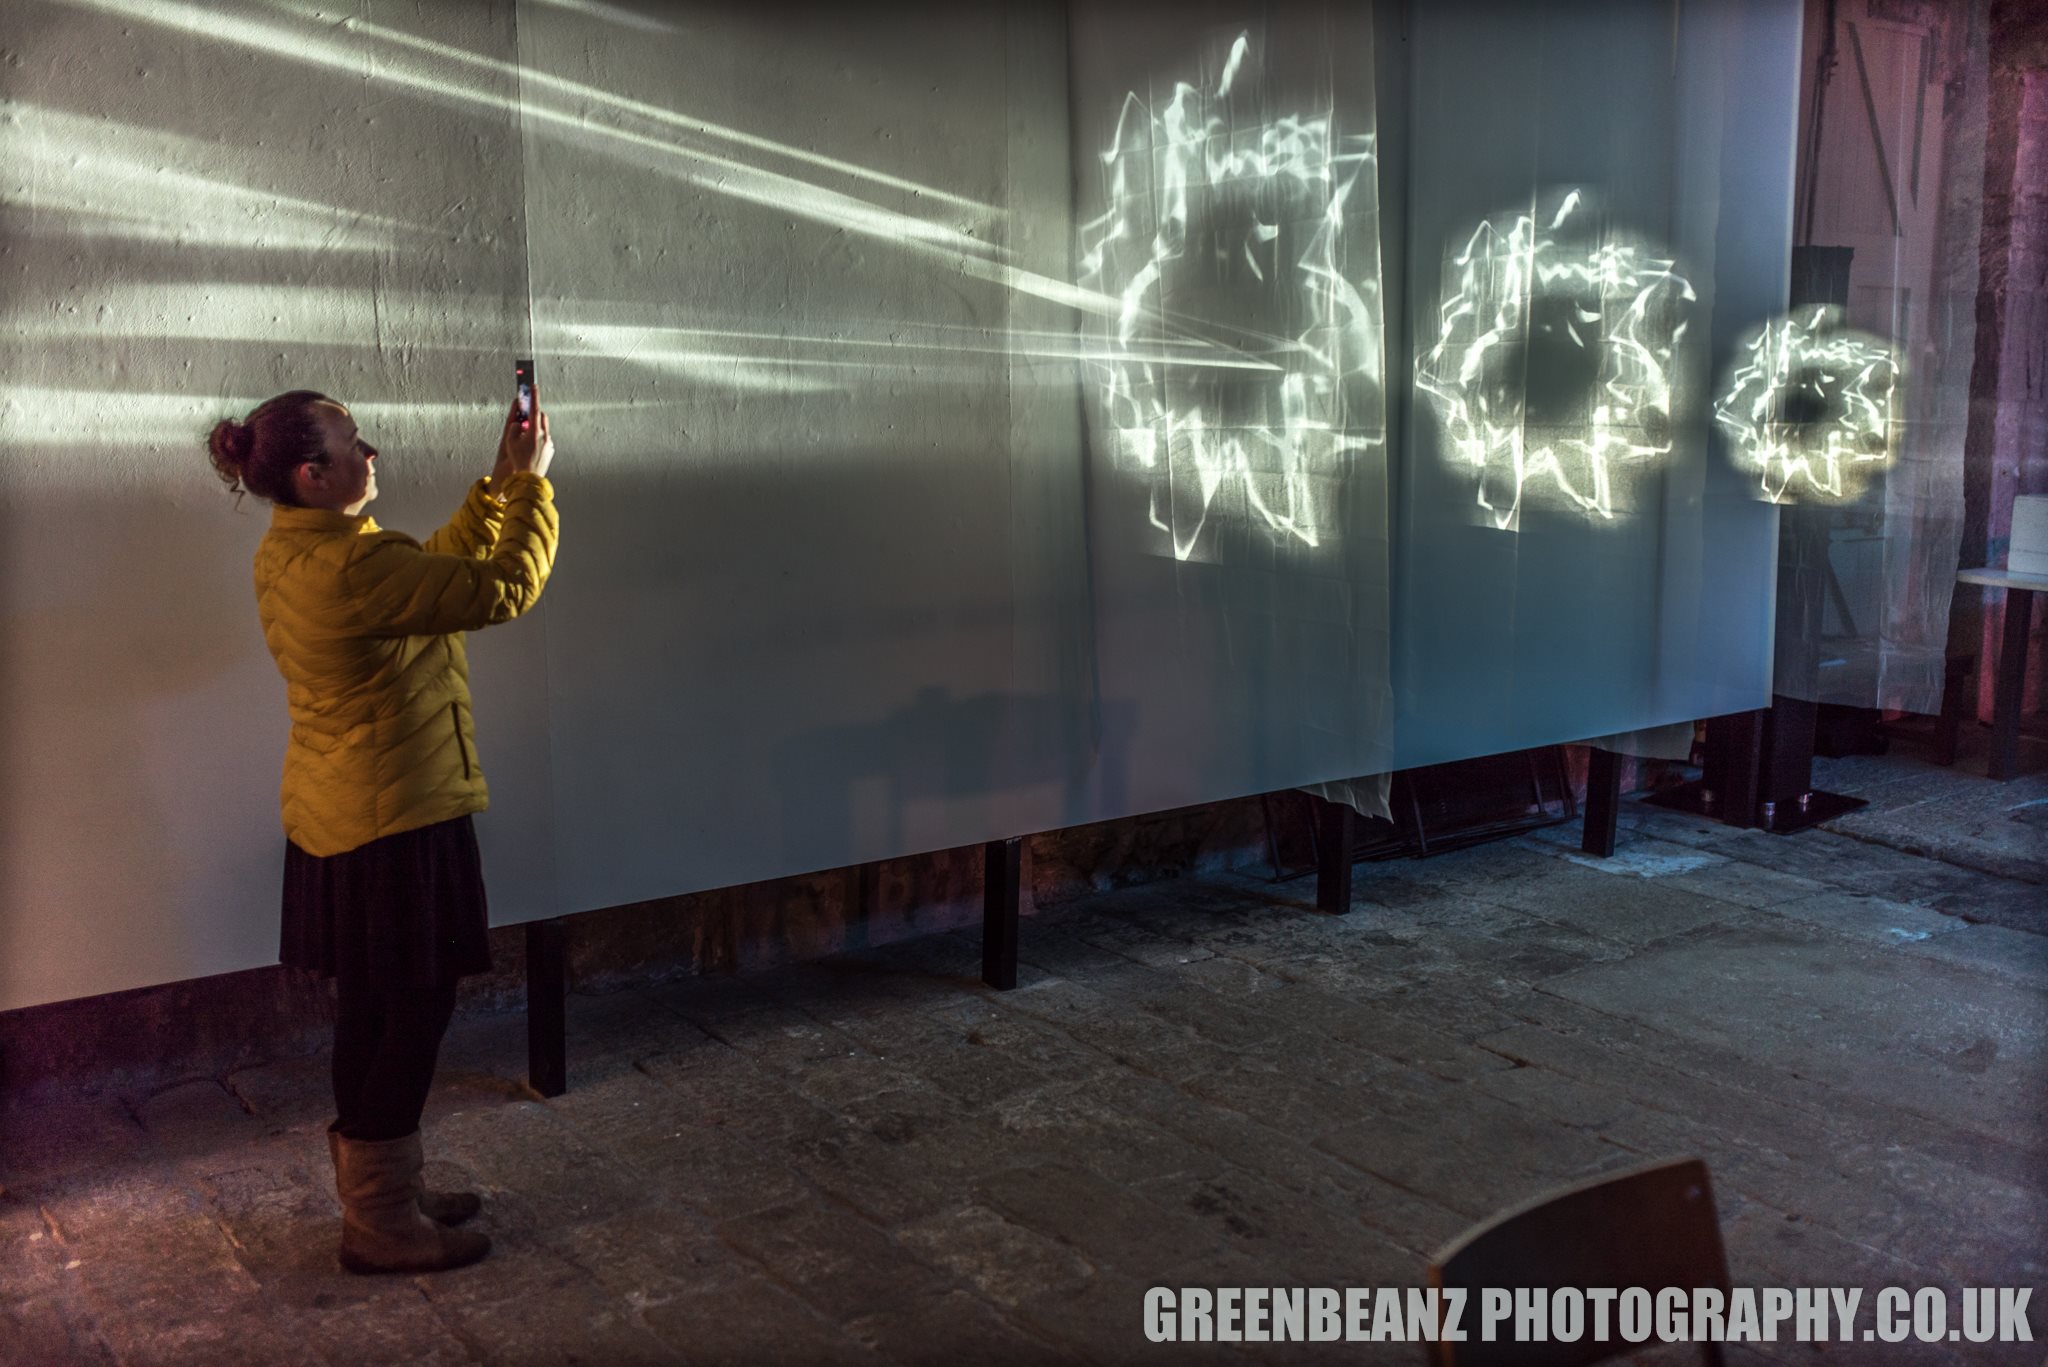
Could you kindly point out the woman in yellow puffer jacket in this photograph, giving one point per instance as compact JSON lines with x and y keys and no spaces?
{"x":383,"y":885}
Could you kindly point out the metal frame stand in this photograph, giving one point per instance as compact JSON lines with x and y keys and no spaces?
{"x":1726,"y":789}
{"x":1759,"y":773}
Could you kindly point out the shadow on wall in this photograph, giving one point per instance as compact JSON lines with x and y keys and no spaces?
{"x":942,"y":749}
{"x":763,"y":662}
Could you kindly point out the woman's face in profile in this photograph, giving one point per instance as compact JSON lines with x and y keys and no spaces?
{"x":348,"y":480}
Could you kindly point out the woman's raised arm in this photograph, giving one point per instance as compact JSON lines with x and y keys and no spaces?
{"x":403,"y":589}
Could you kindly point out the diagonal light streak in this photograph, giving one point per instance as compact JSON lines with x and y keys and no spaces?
{"x":970,"y":255}
{"x":576,"y":94}
{"x":42,"y":416}
{"x":442,"y":73}
{"x":119,"y":180}
{"x":623,"y":339}
{"x":696,"y":165}
{"x":612,"y":14}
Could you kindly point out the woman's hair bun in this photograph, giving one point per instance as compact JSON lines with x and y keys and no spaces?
{"x":230,"y":446}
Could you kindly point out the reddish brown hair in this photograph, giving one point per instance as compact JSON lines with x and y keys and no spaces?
{"x":259,"y":454}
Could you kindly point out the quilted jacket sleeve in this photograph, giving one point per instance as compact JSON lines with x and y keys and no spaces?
{"x":474,"y":528}
{"x":402,"y":589}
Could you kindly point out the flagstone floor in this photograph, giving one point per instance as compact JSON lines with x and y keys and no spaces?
{"x":1205,"y":1083}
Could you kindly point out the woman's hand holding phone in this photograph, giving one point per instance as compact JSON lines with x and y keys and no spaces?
{"x":525,"y":446}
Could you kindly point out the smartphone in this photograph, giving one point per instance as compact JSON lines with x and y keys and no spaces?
{"x":523,"y":373}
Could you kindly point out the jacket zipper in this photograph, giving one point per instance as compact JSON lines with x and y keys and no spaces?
{"x":455,"y":715}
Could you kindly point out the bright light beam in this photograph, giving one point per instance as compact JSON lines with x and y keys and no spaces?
{"x":577,"y":95}
{"x":705,"y":168}
{"x":104,"y":179}
{"x":971,"y":255}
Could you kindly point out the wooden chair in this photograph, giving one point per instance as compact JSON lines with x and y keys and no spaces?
{"x":1654,"y":1227}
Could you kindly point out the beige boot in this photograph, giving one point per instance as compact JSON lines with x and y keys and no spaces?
{"x":443,"y":1207}
{"x":382,"y":1229}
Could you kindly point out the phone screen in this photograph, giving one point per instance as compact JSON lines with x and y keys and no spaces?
{"x":524,"y":373}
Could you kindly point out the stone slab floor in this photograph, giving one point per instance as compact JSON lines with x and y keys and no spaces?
{"x":1204,"y":1083}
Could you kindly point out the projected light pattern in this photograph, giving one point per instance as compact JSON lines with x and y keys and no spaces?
{"x":1808,"y":406}
{"x":1553,"y":362}
{"x":1227,"y":234}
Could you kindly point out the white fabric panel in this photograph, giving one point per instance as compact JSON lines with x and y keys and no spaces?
{"x":1630,"y":591}
{"x":782,"y":635}
{"x":1227,"y":198}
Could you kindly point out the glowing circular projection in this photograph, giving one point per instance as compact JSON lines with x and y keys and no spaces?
{"x":1808,"y":406}
{"x":1242,"y":366}
{"x":1551,"y":372}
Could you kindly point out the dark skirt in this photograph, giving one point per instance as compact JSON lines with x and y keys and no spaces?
{"x":407,"y":909}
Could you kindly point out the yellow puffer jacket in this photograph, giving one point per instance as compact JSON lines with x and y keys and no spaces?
{"x":366,"y":627}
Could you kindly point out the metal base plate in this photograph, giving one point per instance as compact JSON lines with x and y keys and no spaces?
{"x":1692,"y":797}
{"x":1819,"y":807}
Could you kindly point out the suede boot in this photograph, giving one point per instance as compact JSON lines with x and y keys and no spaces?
{"x":382,"y":1229}
{"x":443,"y":1207}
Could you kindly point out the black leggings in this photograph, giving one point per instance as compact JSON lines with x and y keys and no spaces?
{"x":386,"y":1040}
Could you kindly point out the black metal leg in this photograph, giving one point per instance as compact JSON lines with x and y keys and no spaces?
{"x":1003,"y":860}
{"x":2011,"y":684}
{"x":1333,"y":856}
{"x":1956,"y":700}
{"x":547,"y":985}
{"x":1603,"y":802}
{"x":1731,"y":778}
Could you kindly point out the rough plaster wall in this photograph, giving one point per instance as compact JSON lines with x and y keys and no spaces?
{"x":225,"y":202}
{"x":202,"y":208}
